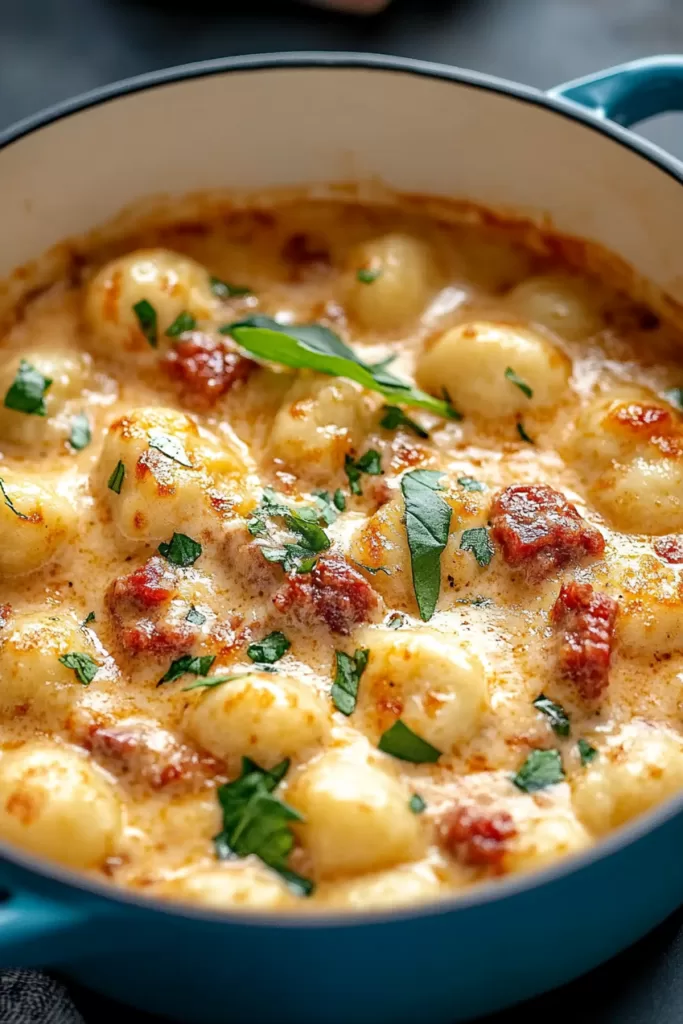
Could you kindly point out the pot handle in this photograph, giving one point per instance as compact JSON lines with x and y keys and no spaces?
{"x":631,"y":92}
{"x":36,"y":931}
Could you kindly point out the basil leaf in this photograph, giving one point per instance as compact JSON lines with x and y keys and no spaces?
{"x":366,"y":276}
{"x":27,"y":391}
{"x":395,"y":620}
{"x":402,"y":742}
{"x":329,"y":512}
{"x":428,"y":519}
{"x":90,"y":617}
{"x":182,"y":323}
{"x":395,"y":417}
{"x":80,"y":436}
{"x":518,"y":382}
{"x":417,"y":804}
{"x":370,"y":463}
{"x":195,"y":617}
{"x":542,"y":768}
{"x":298,"y":557}
{"x":477,"y":541}
{"x":558,"y":717}
{"x":314,"y":347}
{"x":197,"y":665}
{"x":339,"y":500}
{"x":181,"y":550}
{"x":347,"y":679}
{"x":169,"y":446}
{"x":8,"y":502}
{"x":587,"y":753}
{"x":82,"y":664}
{"x":224,"y":290}
{"x":115,"y":482}
{"x":470,"y":484}
{"x":270,"y":649}
{"x":147,"y":319}
{"x":523,"y":434}
{"x":256,"y":823}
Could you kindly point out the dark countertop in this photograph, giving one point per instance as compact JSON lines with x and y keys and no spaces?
{"x":53,"y":49}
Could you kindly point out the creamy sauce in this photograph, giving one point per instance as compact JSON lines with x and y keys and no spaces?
{"x":432,"y":292}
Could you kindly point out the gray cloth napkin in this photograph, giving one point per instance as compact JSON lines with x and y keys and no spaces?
{"x":29,"y":997}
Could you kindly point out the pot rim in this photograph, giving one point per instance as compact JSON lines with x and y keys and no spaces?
{"x":486,"y":893}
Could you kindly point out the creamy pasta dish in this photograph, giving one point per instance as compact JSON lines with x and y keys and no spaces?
{"x":341,"y":558}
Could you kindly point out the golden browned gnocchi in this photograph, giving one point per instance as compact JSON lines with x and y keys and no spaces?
{"x":342,"y":561}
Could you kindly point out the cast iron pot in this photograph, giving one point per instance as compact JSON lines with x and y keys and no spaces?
{"x":288,"y":120}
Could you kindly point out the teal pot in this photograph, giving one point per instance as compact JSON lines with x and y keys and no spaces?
{"x":296,"y":119}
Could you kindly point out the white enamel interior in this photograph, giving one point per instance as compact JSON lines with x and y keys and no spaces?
{"x":255,"y":129}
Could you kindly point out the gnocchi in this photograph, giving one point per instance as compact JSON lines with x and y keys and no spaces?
{"x":358,"y":614}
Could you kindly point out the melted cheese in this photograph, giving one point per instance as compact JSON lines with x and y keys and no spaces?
{"x":128,"y":770}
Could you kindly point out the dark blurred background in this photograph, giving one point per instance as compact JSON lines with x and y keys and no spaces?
{"x":53,"y":49}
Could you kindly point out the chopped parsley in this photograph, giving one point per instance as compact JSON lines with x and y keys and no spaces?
{"x":470,"y":484}
{"x":300,"y":556}
{"x":169,"y":446}
{"x":518,"y":382}
{"x":587,"y":753}
{"x":555,"y":713}
{"x":90,"y":617}
{"x":147,"y":319}
{"x":256,"y":823}
{"x":181,"y":550}
{"x":477,"y":541}
{"x":328,"y":511}
{"x":207,"y":683}
{"x":182,"y":323}
{"x":542,"y":768}
{"x":9,"y":503}
{"x":224,"y":290}
{"x":367,"y":276}
{"x":369,"y":463}
{"x":270,"y":649}
{"x":195,"y":617}
{"x":403,"y":743}
{"x":523,"y":434}
{"x":350,"y":668}
{"x":428,"y":520}
{"x":27,"y":391}
{"x":195,"y":665}
{"x":416,"y":804}
{"x":395,"y":417}
{"x":339,"y":500}
{"x":115,"y":482}
{"x":80,"y":435}
{"x":82,"y":664}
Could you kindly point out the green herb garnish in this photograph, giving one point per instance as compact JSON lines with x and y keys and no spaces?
{"x":477,"y":541}
{"x":9,"y":503}
{"x":270,"y":649}
{"x":470,"y":484}
{"x":147,"y":319}
{"x":82,"y":664}
{"x":559,"y":720}
{"x":169,"y":446}
{"x":256,"y":823}
{"x":417,"y":804}
{"x":339,"y":500}
{"x":314,"y":347}
{"x":346,"y":681}
{"x":523,"y":434}
{"x":182,"y":323}
{"x":518,"y":382}
{"x":181,"y":550}
{"x":395,"y":417}
{"x":90,"y":617}
{"x":27,"y":391}
{"x":366,"y":276}
{"x":196,"y":665}
{"x":428,"y":519}
{"x":403,"y":743}
{"x":115,"y":482}
{"x":80,"y":435}
{"x":224,"y":290}
{"x":675,"y":397}
{"x":587,"y":753}
{"x":542,"y":768}
{"x":369,"y":463}
{"x":395,"y":620}
{"x":195,"y":617}
{"x":299,"y":557}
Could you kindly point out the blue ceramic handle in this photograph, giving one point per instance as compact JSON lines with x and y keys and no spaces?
{"x":35,"y":930}
{"x":629,"y":92}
